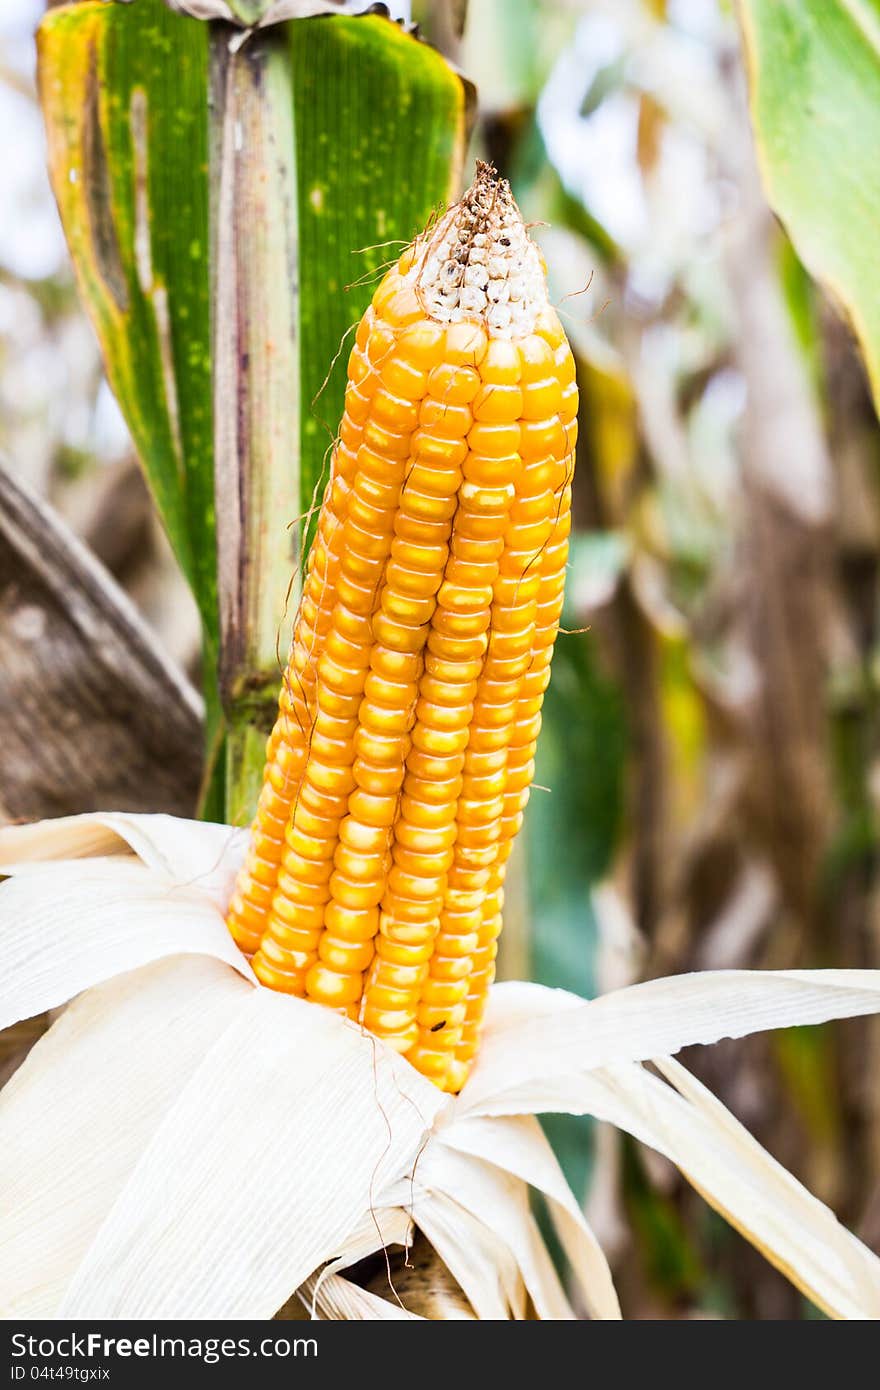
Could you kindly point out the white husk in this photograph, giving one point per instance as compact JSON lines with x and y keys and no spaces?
{"x":778,"y":1214}
{"x":647,"y":1020}
{"x":71,"y":925}
{"x":184,"y":1143}
{"x":77,"y":1115}
{"x":518,"y":1144}
{"x":475,"y":1255}
{"x":339,"y":1299}
{"x":311,"y":1122}
{"x":499,"y":1202}
{"x":193,"y":854}
{"x":759,"y":1197}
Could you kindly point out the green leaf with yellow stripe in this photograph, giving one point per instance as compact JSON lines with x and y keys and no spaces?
{"x":228,"y":209}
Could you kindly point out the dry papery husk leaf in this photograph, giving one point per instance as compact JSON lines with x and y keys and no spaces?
{"x":183,"y":1143}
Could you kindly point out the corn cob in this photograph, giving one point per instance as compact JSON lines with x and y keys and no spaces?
{"x":399,"y":768}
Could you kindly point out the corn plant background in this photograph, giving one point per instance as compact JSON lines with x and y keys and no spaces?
{"x":711,"y":732}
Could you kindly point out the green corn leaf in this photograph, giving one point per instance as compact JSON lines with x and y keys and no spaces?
{"x":814,"y":74}
{"x":124,"y":95}
{"x":218,"y":201}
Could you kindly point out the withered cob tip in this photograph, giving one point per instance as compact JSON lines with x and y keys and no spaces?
{"x":480,"y":263}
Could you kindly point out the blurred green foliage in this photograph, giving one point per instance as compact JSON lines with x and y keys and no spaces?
{"x":814,"y":70}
